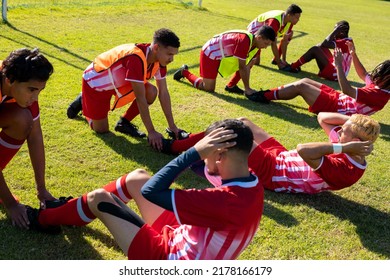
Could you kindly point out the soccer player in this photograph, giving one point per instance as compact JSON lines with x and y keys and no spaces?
{"x":321,"y":98}
{"x":338,"y":38}
{"x":226,"y":53}
{"x":24,"y":74}
{"x":311,"y":167}
{"x":201,"y":223}
{"x":282,"y":23}
{"x":124,"y":72}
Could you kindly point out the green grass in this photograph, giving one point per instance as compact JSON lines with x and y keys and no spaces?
{"x":349,"y":224}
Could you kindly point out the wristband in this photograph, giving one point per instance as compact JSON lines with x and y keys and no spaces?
{"x":337,"y":148}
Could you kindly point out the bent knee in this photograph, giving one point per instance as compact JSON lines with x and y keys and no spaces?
{"x":19,"y":122}
{"x":96,"y":196}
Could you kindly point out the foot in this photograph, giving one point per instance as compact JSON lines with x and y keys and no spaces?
{"x":288,"y":68}
{"x":258,"y":96}
{"x":234,"y":89}
{"x":126,"y":127}
{"x":74,"y":108}
{"x":58,"y":202}
{"x":33,"y":215}
{"x":182,"y":134}
{"x":178,"y":75}
{"x":274,"y":62}
{"x":167,"y":147}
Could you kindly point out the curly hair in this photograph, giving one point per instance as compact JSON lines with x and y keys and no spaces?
{"x":166,"y":38}
{"x":381,"y":75}
{"x":23,"y":65}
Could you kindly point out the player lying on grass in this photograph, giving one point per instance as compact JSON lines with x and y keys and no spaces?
{"x":311,"y":167}
{"x":365,"y":100}
{"x":202,"y":223}
{"x":323,"y":56}
{"x":24,"y":74}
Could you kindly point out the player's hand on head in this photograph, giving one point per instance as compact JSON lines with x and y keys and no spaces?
{"x":359,"y":148}
{"x":220,"y":139}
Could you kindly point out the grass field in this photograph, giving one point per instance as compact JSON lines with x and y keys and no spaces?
{"x":350,"y":224}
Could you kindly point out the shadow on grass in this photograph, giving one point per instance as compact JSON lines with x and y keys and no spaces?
{"x":372,"y":225}
{"x":62,"y":49}
{"x":71,"y":244}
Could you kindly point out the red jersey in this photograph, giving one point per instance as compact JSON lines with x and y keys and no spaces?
{"x":227,"y":44}
{"x":128,"y":69}
{"x":369,"y":99}
{"x":221,"y":226}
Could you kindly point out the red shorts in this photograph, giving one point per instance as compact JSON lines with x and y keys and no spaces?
{"x":151,"y":242}
{"x":262,"y":160}
{"x":208,"y":67}
{"x":329,"y":72}
{"x":326,"y":101}
{"x":96,"y":104}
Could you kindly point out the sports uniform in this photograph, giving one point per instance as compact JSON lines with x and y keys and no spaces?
{"x":229,"y":44}
{"x":8,"y":145}
{"x":212,"y":223}
{"x":369,"y":99}
{"x":111,"y":74}
{"x":330,"y":71}
{"x":281,"y":170}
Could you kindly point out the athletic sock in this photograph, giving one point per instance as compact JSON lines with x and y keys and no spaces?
{"x":132,"y":111}
{"x":273,"y":94}
{"x":179,"y":146}
{"x":76,"y":211}
{"x":8,"y":148}
{"x":298,"y":63}
{"x":234,"y":80}
{"x":193,"y":79}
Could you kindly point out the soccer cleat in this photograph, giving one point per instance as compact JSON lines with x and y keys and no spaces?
{"x":288,"y":68}
{"x":258,"y":96}
{"x":274,"y":62}
{"x":33,"y":215}
{"x":126,"y":127}
{"x":167,"y":147}
{"x":74,"y":108}
{"x":182,"y":134}
{"x":178,"y":75}
{"x":234,"y":89}
{"x":57,"y":202}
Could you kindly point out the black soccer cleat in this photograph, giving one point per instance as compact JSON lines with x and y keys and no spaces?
{"x":126,"y":127}
{"x":74,"y":108}
{"x":182,"y":134}
{"x":258,"y":96}
{"x":33,"y":215}
{"x":178,"y":75}
{"x":234,"y":89}
{"x":57,"y":202}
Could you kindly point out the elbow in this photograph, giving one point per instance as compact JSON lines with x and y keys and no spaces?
{"x":301,"y":149}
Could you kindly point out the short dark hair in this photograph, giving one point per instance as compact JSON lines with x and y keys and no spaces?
{"x":266,"y":32}
{"x":166,"y":38}
{"x":23,"y":65}
{"x":244,"y":139}
{"x":381,"y":75}
{"x":293,"y":9}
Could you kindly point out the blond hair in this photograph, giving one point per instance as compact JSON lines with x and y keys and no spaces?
{"x":364,"y":128}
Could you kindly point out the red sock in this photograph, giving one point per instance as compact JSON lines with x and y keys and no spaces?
{"x":273,"y":94}
{"x":8,"y":148}
{"x":179,"y":146}
{"x":234,"y":80}
{"x":132,"y":112}
{"x":194,"y":80}
{"x":76,"y":211}
{"x":298,"y":63}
